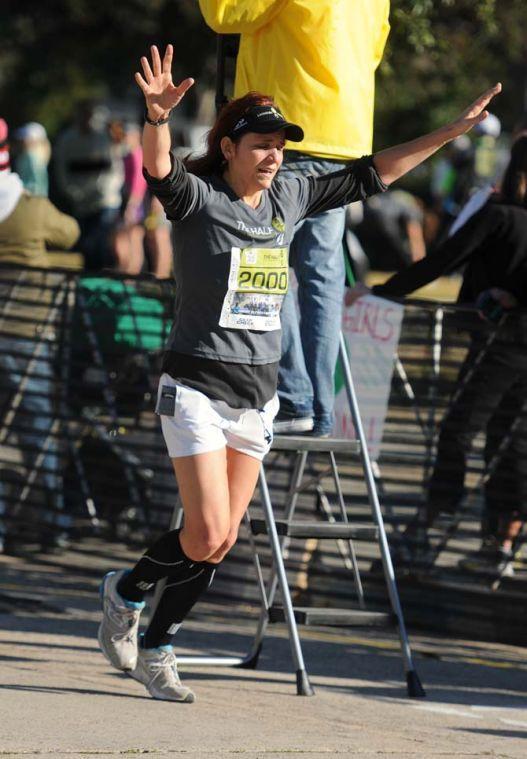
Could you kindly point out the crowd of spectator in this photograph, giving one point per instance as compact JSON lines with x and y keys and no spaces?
{"x":93,"y":172}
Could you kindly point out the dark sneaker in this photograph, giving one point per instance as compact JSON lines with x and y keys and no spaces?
{"x":54,"y":542}
{"x":292,"y":425}
{"x":412,"y":548}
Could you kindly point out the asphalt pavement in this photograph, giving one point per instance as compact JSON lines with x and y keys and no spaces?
{"x":58,"y":695}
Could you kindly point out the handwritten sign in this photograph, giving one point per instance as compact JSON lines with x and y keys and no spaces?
{"x":371,"y":329}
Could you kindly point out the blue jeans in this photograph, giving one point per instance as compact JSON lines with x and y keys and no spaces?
{"x":310,"y":345}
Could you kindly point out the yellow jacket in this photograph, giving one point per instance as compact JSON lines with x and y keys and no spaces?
{"x":317,"y":58}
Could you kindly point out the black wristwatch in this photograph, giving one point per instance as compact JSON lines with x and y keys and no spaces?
{"x":159,"y":122}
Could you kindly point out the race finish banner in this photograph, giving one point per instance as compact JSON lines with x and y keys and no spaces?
{"x":371,"y":329}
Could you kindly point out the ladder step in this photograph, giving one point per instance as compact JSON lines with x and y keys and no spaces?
{"x":334,"y":617}
{"x":319,"y":444}
{"x":317,"y":529}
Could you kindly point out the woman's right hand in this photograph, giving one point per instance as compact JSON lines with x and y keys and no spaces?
{"x":160,"y":93}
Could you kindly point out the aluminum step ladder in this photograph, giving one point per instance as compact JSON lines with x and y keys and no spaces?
{"x":280,"y":532}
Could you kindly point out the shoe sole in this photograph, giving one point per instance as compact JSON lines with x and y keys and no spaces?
{"x":99,"y":631}
{"x":189,"y":698}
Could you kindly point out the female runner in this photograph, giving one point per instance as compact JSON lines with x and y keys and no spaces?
{"x":233,"y":222}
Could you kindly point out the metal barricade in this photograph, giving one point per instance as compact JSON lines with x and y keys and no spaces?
{"x":81,"y":453}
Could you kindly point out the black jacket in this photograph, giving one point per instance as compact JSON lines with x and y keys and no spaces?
{"x":492,"y":246}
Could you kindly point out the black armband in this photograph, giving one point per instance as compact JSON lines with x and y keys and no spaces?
{"x":159,"y":122}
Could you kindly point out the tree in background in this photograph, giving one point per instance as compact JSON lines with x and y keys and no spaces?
{"x":440,"y":53}
{"x":54,"y":54}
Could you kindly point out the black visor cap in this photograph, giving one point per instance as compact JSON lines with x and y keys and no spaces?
{"x":264,"y":119}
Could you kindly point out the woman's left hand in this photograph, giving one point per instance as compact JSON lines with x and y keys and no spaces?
{"x":395,"y":162}
{"x":356,"y":292}
{"x":475,"y":113}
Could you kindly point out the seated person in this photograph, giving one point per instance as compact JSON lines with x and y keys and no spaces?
{"x":28,"y":225}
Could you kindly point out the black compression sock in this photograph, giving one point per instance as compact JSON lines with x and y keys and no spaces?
{"x":178,"y":598}
{"x":186,"y":580}
{"x":164,"y":559}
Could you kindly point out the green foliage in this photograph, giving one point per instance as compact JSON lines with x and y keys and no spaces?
{"x":440,"y":55}
{"x":413,"y":20}
{"x":54,"y":54}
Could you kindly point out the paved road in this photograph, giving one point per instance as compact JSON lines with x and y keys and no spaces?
{"x":59,"y":697}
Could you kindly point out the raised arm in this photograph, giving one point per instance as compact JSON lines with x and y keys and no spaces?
{"x":161,"y":95}
{"x":394,"y":162}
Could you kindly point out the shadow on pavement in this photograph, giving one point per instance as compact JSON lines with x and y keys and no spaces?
{"x":498,"y":733}
{"x":76,"y":691}
{"x":59,"y":597}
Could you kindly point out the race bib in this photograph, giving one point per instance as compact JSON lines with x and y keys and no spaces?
{"x":258,"y":282}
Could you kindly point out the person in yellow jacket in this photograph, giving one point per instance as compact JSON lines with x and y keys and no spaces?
{"x":317,"y":58}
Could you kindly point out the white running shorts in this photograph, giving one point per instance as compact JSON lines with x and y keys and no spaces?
{"x":193,"y":423}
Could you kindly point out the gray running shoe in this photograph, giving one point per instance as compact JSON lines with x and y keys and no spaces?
{"x":157,"y":669}
{"x":118,"y":629}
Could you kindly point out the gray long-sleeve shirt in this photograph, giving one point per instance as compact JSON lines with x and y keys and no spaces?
{"x":231,"y":260}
